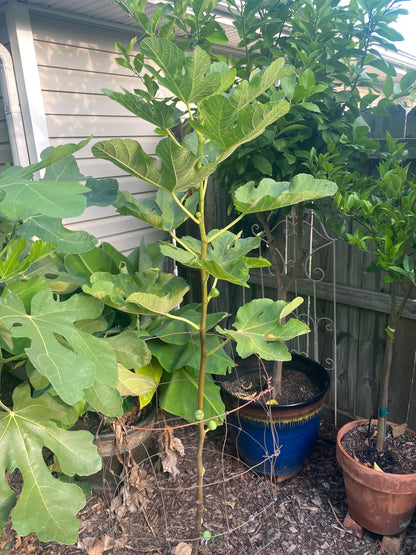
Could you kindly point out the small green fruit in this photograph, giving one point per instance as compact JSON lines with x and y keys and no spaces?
{"x":214,"y":292}
{"x":198,"y":215}
{"x":206,"y":534}
{"x":211,"y":425}
{"x":199,"y":414}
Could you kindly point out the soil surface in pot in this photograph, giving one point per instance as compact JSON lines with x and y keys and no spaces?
{"x":399,"y":456}
{"x":296,"y":387}
{"x":97,"y":424}
{"x":247,"y":514}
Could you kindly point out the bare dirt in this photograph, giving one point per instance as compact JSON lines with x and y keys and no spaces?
{"x":245,"y":513}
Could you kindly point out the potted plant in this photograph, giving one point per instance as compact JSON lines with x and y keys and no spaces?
{"x":384,"y":207}
{"x":54,"y":363}
{"x":329,"y":92}
{"x":219,"y":114}
{"x":125,"y":441}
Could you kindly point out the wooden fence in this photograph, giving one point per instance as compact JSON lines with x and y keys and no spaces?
{"x":347,"y":309}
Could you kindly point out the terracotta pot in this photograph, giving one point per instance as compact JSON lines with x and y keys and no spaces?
{"x":276,"y":439}
{"x":137,"y":441}
{"x":382,"y":503}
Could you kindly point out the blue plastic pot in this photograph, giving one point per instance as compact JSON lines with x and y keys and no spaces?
{"x":276,"y":439}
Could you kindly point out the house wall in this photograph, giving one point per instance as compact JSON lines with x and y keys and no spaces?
{"x":5,"y":150}
{"x":75,"y":62}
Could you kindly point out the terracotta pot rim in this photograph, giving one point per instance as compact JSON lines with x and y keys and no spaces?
{"x":380,"y":477}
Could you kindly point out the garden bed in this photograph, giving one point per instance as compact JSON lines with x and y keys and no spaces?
{"x":244,"y":512}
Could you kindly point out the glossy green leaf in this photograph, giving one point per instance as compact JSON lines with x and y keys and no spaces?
{"x":46,"y":505}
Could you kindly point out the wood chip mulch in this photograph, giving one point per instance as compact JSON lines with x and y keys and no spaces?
{"x":244,"y":512}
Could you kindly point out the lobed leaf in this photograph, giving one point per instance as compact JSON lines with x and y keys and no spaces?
{"x":69,"y":358}
{"x":24,"y":431}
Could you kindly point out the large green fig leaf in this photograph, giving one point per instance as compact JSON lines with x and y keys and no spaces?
{"x":180,"y":395}
{"x":104,"y":398}
{"x":51,"y":230}
{"x":65,"y":169}
{"x":162,"y":115}
{"x":147,"y":210}
{"x":228,"y":128}
{"x":84,"y":264}
{"x":130,"y":383}
{"x":178,"y":331}
{"x":13,"y":264}
{"x":271,"y":195}
{"x":46,"y":505}
{"x":175,"y":356}
{"x":179,"y":171}
{"x":149,"y":292}
{"x":102,"y":192}
{"x":24,"y":197}
{"x":162,"y":212}
{"x":131,"y":351}
{"x":183,"y":74}
{"x":70,"y":358}
{"x":52,"y":156}
{"x":259,"y":328}
{"x":225,"y":257}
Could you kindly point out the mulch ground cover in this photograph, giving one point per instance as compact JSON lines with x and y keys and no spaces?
{"x":245,"y":513}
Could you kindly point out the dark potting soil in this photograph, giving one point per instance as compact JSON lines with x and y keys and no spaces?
{"x":296,"y":387}
{"x":398,"y":457}
{"x":97,"y":424}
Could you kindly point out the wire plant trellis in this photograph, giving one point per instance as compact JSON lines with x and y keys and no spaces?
{"x":315,"y":270}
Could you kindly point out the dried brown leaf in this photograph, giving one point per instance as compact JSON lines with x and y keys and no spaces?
{"x":399,"y":430}
{"x":97,"y":546}
{"x":170,"y":448}
{"x":182,"y":549}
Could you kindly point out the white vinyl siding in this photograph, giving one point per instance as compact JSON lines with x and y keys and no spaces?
{"x":75,"y":61}
{"x":5,"y":150}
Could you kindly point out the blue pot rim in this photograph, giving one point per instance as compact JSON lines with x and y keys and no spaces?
{"x":318,"y":375}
